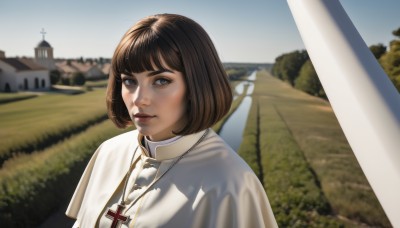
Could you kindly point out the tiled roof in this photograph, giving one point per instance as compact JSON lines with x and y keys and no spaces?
{"x":64,"y":67}
{"x":74,"y":67}
{"x":22,"y":64}
{"x":82,"y":67}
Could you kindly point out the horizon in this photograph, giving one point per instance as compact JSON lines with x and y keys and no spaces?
{"x":243,"y":32}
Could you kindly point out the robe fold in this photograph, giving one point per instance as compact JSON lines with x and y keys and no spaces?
{"x":211,"y":186}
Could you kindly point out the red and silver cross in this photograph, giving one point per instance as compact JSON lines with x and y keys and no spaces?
{"x":117,"y":216}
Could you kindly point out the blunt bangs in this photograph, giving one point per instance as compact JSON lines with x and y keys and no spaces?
{"x":145,"y":50}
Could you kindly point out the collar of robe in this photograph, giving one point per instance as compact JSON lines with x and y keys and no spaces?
{"x":171,"y":150}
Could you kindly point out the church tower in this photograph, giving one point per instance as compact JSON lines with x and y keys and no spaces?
{"x":44,"y":53}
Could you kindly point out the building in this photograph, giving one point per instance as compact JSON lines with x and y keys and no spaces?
{"x":18,"y":74}
{"x":91,"y":71}
{"x":106,"y":68}
{"x":44,"y":54}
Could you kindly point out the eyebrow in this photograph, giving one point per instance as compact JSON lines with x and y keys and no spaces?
{"x":158,"y":72}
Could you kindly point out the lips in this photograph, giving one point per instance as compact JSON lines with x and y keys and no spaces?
{"x":143,"y":116}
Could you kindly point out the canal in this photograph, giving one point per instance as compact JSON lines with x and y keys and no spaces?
{"x":232,"y":130}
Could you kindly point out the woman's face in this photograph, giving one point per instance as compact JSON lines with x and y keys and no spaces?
{"x":155,"y":101}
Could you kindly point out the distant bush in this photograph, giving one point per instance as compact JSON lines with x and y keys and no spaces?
{"x":55,"y":76}
{"x":236,"y":73}
{"x":77,"y":78}
{"x":65,"y":81}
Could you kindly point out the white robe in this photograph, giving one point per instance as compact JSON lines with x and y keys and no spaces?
{"x":211,"y":186}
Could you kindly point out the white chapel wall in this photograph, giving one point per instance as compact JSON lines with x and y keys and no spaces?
{"x":7,"y":75}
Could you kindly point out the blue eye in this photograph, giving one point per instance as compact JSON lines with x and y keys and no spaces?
{"x":128,"y":81}
{"x":162,"y":81}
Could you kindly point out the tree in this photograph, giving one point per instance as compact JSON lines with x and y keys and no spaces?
{"x":390,"y":61}
{"x":78,"y":78}
{"x":287,"y":66}
{"x":89,"y":60}
{"x":55,"y":76}
{"x":276,"y":68}
{"x":65,"y":81}
{"x":378,"y":50}
{"x":308,"y":80}
{"x":396,"y":32}
{"x":291,"y":65}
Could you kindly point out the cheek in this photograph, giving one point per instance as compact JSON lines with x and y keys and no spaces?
{"x":173,"y":102}
{"x":180,"y":103}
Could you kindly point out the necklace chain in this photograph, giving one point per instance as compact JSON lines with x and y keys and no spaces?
{"x":128,"y":174}
{"x":159,"y":177}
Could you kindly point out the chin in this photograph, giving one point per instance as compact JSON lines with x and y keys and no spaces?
{"x":143,"y":131}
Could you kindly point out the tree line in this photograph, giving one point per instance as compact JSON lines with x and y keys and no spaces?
{"x":390,"y":59}
{"x":76,"y":79}
{"x":297,"y":69}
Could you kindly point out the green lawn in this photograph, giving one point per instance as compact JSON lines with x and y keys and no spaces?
{"x":11,"y":97}
{"x":301,"y":145}
{"x":99,"y":83}
{"x":33,"y":124}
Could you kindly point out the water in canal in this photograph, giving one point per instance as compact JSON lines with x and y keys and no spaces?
{"x":232,"y":130}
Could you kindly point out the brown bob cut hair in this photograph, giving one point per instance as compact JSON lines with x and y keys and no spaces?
{"x":174,"y":42}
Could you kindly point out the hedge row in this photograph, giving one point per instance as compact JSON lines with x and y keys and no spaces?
{"x":33,"y":186}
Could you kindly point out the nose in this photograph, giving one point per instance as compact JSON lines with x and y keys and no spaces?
{"x":141,"y":96}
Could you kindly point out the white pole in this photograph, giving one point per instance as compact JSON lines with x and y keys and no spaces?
{"x":363,"y":98}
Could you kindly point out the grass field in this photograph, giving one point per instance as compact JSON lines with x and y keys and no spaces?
{"x":99,"y":83}
{"x":301,"y":145}
{"x":32,"y":186}
{"x":33,"y":124}
{"x":11,"y":97}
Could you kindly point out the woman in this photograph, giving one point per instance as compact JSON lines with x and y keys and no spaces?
{"x":173,"y":170}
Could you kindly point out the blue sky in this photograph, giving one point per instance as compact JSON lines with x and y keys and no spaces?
{"x":243,"y":31}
